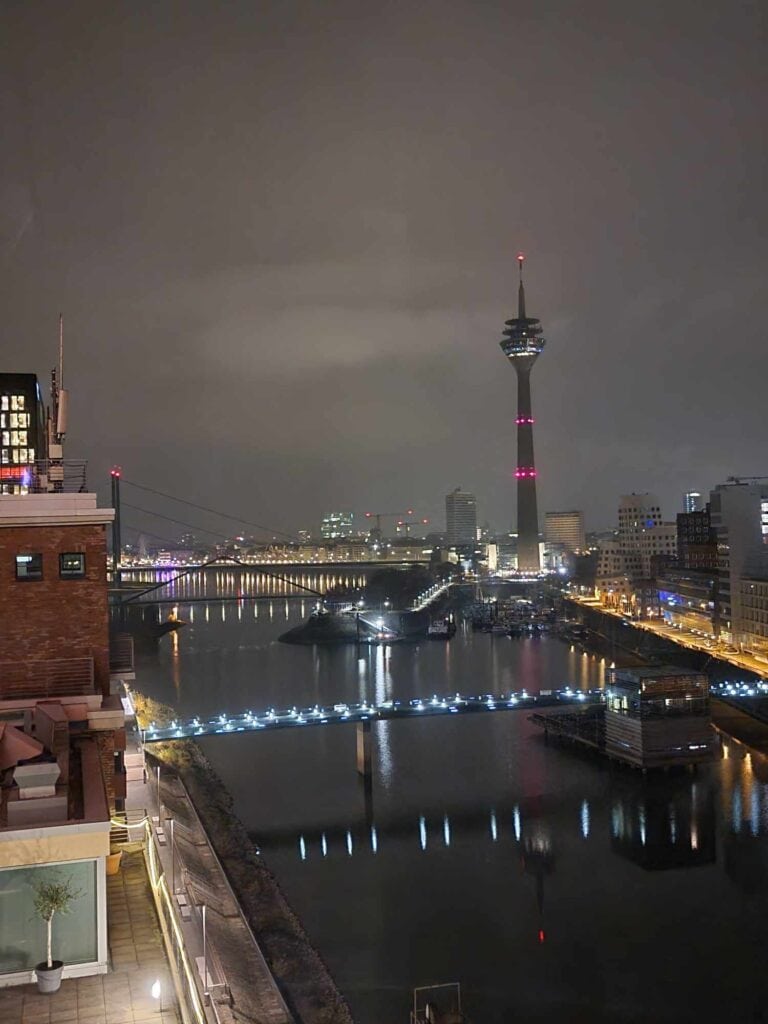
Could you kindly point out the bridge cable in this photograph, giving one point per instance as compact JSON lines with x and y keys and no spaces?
{"x":213,"y":511}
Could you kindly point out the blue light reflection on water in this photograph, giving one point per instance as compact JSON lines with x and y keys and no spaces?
{"x":526,"y":839}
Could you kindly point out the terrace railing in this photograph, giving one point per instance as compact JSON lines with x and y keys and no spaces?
{"x":62,"y":677}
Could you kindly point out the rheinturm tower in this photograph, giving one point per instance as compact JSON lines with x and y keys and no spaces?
{"x":523,"y":343}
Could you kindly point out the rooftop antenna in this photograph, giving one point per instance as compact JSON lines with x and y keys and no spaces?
{"x":521,"y":290}
{"x":61,"y":395}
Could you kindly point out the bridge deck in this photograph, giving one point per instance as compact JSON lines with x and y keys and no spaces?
{"x":338,"y":714}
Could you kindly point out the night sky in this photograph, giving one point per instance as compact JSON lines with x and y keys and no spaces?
{"x":283,"y":236}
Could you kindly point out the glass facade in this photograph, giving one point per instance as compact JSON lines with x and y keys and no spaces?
{"x":23,"y":934}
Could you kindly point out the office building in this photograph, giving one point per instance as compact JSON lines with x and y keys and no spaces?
{"x":693,"y":501}
{"x":565,"y":529}
{"x":22,"y":431}
{"x":460,"y":518}
{"x":739,"y":518}
{"x":336,"y":525}
{"x":523,"y":344}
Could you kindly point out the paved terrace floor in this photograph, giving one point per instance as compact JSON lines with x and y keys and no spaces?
{"x":137,"y":960}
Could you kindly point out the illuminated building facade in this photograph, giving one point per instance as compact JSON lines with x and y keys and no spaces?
{"x":693,"y":501}
{"x":22,"y":431}
{"x":739,"y":517}
{"x":565,"y":528}
{"x":522,"y":344}
{"x":336,"y":526}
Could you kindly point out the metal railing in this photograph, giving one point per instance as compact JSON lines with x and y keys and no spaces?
{"x":64,"y":475}
{"x":121,"y":653}
{"x":63,"y":677}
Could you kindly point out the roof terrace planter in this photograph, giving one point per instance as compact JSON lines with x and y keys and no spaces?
{"x":52,"y":896}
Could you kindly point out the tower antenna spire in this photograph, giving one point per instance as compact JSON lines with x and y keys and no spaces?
{"x":521,"y":289}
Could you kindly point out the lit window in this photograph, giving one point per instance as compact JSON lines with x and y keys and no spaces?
{"x":4,"y":402}
{"x":6,"y":438}
{"x":72,"y":565}
{"x":29,"y":567}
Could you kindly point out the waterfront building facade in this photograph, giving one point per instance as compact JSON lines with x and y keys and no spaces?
{"x":739,"y":519}
{"x":523,"y":344}
{"x":460,"y":518}
{"x":566,"y":529}
{"x":658,"y":717}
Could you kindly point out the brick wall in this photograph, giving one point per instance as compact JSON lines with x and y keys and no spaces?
{"x":55,"y":618}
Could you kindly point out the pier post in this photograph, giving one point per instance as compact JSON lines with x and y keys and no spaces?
{"x":364,"y":743}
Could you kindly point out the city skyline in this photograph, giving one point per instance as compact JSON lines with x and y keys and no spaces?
{"x":288,"y":301}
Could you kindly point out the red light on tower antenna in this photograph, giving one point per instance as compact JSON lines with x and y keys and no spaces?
{"x":541,"y":935}
{"x":521,"y":257}
{"x":409,"y":511}
{"x":116,"y":471}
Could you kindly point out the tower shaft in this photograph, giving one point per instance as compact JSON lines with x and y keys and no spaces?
{"x":525,"y":473}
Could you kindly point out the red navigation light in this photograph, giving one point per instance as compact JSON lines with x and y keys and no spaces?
{"x":425,"y":521}
{"x":541,"y":935}
{"x":409,"y":511}
{"x":520,"y":257}
{"x":368,"y":515}
{"x":116,"y":471}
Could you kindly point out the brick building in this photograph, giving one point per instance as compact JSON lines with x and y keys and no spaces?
{"x":54,"y":625}
{"x":62,"y":733}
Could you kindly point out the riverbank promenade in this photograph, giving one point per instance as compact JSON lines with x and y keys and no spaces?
{"x":220,"y":972}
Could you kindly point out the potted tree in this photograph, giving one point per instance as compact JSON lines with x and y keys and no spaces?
{"x":52,"y":896}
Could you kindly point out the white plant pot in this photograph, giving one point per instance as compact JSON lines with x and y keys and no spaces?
{"x":49,"y":978}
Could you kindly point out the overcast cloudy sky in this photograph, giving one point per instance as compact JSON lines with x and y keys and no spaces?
{"x":283,"y":236}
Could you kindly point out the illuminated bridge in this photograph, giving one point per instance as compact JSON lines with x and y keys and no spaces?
{"x":364,"y":714}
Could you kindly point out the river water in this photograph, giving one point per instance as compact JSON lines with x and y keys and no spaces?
{"x":552,"y":887}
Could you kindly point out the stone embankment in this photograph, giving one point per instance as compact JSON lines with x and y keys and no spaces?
{"x":302,"y":976}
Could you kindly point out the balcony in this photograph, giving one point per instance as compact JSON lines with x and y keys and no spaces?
{"x":46,"y":476}
{"x":63,"y":677}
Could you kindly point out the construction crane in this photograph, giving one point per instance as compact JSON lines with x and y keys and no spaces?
{"x":406,"y":525}
{"x":378,"y":516}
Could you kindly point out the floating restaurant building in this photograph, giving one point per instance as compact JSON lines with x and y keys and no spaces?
{"x":658,"y":717}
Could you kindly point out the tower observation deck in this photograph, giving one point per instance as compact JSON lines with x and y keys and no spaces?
{"x":523,"y":343}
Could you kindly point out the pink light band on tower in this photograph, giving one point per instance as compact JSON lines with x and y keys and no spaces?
{"x":525,"y":472}
{"x":523,"y":420}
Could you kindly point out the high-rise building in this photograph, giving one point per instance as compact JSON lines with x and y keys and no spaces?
{"x":460,"y":518}
{"x":693,"y":501}
{"x":336,"y":525}
{"x":22,"y":431}
{"x":739,"y":516}
{"x":565,"y":528}
{"x":523,"y":344}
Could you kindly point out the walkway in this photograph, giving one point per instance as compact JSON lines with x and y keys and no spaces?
{"x":682,"y":637}
{"x":239,"y":981}
{"x":455,"y":704}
